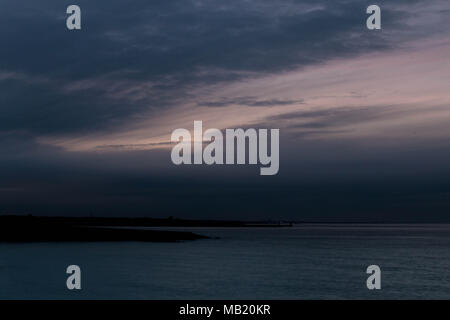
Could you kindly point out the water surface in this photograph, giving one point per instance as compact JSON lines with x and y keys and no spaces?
{"x":303,"y":262}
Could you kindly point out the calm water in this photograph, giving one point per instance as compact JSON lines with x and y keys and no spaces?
{"x":307,"y":262}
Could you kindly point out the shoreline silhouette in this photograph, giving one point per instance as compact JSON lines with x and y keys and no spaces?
{"x":14,"y":228}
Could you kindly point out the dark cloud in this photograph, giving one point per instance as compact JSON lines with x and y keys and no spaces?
{"x":321,"y":181}
{"x":133,"y":146}
{"x":340,"y":119}
{"x":148,"y":57}
{"x":249,"y":102}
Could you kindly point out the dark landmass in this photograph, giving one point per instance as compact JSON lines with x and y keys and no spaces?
{"x":47,"y":229}
{"x":140,"y":222}
{"x":57,"y":229}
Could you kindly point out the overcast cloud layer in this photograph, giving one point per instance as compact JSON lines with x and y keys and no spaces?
{"x":364,"y":115}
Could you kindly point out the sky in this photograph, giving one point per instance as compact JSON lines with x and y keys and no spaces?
{"x":364,"y":115}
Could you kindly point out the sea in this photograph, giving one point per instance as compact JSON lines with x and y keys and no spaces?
{"x":307,"y":261}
